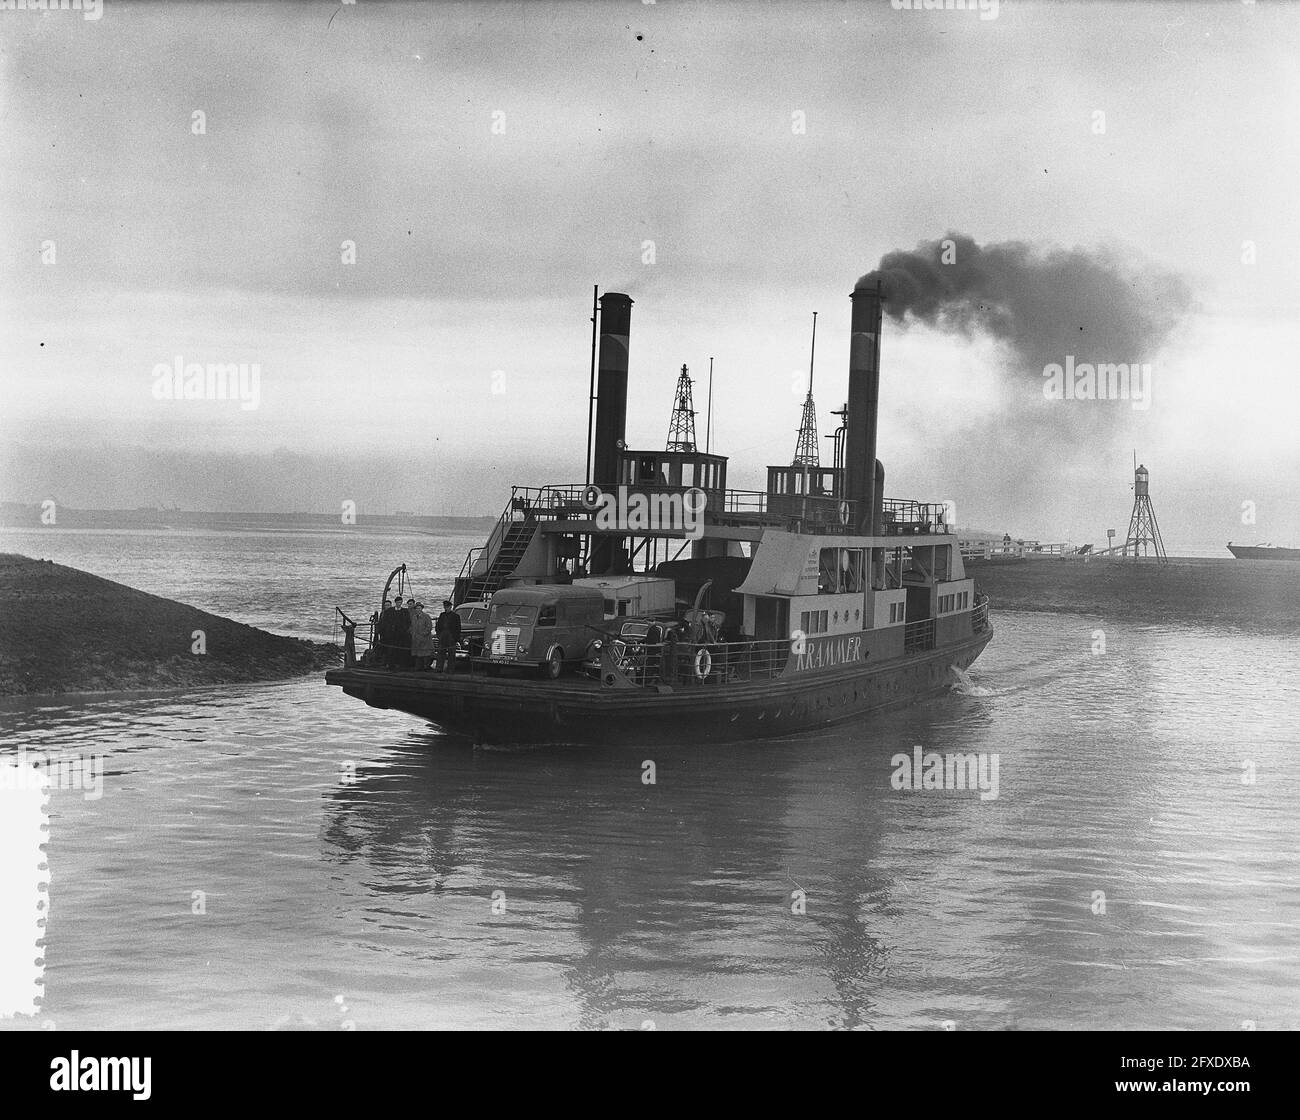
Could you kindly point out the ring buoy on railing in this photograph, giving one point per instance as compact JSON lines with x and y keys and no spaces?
{"x":846,"y":512}
{"x":703,"y":664}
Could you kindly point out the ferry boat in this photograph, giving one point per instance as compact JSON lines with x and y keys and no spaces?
{"x":654,"y":601}
{"x":1263,"y":552}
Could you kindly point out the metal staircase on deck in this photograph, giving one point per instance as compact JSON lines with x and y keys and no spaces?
{"x":518,"y":536}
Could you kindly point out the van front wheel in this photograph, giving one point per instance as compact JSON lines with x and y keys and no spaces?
{"x":553,"y":666}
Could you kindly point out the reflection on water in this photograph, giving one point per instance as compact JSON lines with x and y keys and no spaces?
{"x":356,"y":853}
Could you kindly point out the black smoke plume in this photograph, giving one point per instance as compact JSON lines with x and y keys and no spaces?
{"x":1043,"y":301}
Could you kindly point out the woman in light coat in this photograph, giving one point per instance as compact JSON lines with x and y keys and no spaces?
{"x":421,"y":638}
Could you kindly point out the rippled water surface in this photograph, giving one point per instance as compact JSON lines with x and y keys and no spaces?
{"x":345,"y":852}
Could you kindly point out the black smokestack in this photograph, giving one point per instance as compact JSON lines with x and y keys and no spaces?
{"x":1044,"y":302}
{"x":611,"y":388}
{"x":864,"y":402}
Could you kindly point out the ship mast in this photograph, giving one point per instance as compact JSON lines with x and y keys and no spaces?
{"x":681,"y":425}
{"x":806,"y":453}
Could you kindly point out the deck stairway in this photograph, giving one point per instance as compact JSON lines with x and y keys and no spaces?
{"x":517,"y":537}
{"x":487,"y":569}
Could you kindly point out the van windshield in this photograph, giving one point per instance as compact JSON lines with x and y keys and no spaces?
{"x":512,"y":614}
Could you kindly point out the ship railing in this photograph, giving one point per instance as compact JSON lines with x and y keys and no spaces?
{"x":351,"y":658}
{"x":918,"y":636}
{"x":471,"y":558}
{"x":979,"y":616}
{"x":680,"y":665}
{"x":557,"y":501}
{"x":745,"y":501}
{"x":901,"y":516}
{"x":905,"y":517}
{"x":819,"y":513}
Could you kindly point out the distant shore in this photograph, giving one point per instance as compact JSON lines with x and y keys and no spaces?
{"x":17,"y":515}
{"x":1262,"y":596}
{"x":67,"y":631}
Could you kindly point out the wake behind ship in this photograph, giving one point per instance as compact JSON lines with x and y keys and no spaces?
{"x":656,"y":602}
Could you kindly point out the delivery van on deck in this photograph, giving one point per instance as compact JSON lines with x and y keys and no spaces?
{"x":547,"y":625}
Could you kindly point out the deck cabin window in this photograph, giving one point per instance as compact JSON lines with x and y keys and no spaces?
{"x":828,"y":571}
{"x":813,"y":622}
{"x":841,"y":570}
{"x":852,"y":569}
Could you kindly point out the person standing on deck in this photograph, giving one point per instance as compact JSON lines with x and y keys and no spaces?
{"x":384,"y":635}
{"x":421,"y":638}
{"x":448,"y":629}
{"x":400,"y":639}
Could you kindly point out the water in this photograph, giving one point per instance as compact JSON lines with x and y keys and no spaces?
{"x":350,"y":857}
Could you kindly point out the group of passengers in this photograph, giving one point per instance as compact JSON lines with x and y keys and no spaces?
{"x":409,"y":638}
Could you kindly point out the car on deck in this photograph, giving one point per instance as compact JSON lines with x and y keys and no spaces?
{"x":632,"y":636}
{"x":473,"y":622}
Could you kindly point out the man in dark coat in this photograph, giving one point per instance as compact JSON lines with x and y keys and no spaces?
{"x":448,"y":630}
{"x":384,"y":635}
{"x":401,"y":636}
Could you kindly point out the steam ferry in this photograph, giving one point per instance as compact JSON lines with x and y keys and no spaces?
{"x":654,"y":601}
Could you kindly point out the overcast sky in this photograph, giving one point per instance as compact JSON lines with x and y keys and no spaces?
{"x":492,"y":162}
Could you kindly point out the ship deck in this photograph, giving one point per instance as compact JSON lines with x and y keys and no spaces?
{"x":574,"y":709}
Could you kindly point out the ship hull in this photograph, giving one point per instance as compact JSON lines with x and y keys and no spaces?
{"x":1254,"y":552}
{"x":518,"y":710}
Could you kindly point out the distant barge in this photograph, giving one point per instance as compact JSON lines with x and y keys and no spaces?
{"x":654,"y":603}
{"x":1263,"y":552}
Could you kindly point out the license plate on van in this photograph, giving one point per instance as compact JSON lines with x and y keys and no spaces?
{"x":504,"y":643}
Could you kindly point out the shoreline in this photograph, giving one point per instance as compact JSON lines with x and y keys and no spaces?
{"x":66,"y":633}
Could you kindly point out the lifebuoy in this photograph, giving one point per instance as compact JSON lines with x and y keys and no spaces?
{"x":703,"y":664}
{"x":845,"y":513}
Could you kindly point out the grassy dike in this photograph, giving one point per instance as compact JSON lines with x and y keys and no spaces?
{"x":64,"y":630}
